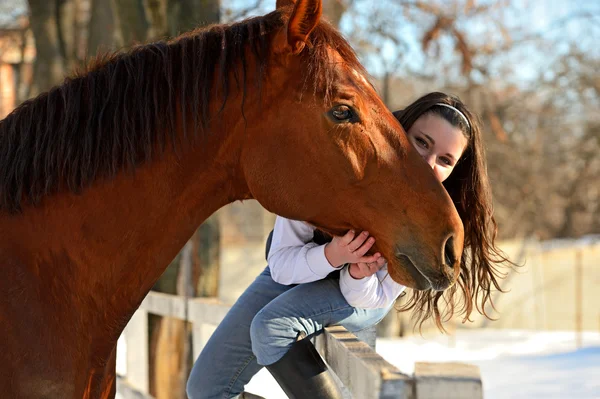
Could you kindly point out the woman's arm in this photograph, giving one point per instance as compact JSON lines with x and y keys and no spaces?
{"x":375,"y":291}
{"x":294,"y":258}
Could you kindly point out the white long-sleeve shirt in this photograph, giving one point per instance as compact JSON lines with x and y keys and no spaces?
{"x":294,"y":259}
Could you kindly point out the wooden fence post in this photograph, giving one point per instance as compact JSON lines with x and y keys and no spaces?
{"x":578,"y":298}
{"x":136,"y":336}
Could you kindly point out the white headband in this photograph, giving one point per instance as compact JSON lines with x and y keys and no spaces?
{"x":458,"y":112}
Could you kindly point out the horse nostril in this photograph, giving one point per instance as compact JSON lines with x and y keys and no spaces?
{"x":449,"y":255}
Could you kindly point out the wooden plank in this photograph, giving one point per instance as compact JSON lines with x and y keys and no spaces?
{"x":205,"y":314}
{"x":579,"y":299}
{"x":136,"y":337}
{"x":368,"y":336}
{"x":165,"y":305}
{"x":207,"y":310}
{"x":126,"y":391}
{"x":447,"y":381}
{"x":366,"y":374}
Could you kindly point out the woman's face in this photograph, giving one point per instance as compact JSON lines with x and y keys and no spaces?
{"x":439,"y":143}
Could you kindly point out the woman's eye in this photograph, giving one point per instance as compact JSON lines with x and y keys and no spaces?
{"x":446,"y":161}
{"x":342,"y":113}
{"x":422,"y":142}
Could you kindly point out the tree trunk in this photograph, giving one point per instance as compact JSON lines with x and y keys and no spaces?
{"x":66,"y":32}
{"x":207,"y":274}
{"x":157,"y":15}
{"x":334,"y":10}
{"x":185,"y":15}
{"x":101,"y":28}
{"x":22,"y":77}
{"x":49,"y":68}
{"x":130,"y":22}
{"x":386,"y":89}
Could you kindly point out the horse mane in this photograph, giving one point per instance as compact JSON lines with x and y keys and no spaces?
{"x":121,"y":109}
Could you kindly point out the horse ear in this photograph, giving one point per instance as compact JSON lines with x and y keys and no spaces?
{"x":303,"y":20}
{"x":284,"y":3}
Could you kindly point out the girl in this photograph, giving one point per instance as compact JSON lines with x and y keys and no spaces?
{"x":313,"y":281}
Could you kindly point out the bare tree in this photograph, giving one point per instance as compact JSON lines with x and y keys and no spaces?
{"x":101,"y":28}
{"x":130,"y":21}
{"x":334,"y":10}
{"x":184,"y":15}
{"x":51,"y":58}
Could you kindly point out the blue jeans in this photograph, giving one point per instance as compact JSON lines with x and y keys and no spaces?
{"x":262,"y":325}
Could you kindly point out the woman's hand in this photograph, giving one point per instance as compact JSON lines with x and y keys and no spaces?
{"x":350,"y":248}
{"x":361,"y":269}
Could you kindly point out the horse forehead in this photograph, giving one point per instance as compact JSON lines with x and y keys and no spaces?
{"x":354,"y":73}
{"x":359,"y":76}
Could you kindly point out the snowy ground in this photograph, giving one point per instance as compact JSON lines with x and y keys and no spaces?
{"x":513,"y":364}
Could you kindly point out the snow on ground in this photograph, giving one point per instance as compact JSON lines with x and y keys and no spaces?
{"x":513,"y":364}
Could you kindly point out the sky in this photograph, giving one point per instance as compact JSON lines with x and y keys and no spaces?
{"x":10,"y":9}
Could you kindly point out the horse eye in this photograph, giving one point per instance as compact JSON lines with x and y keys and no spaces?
{"x":342,"y":113}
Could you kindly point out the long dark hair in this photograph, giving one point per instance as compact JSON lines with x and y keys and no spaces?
{"x":468,"y":186}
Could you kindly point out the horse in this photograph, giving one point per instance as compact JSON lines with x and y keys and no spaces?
{"x":105,"y":177}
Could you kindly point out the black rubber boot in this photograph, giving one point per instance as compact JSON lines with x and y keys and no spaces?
{"x":302,"y":374}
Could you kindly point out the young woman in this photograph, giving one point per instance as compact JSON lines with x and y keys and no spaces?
{"x":313,"y":281}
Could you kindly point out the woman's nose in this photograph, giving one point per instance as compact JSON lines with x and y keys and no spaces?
{"x":430,"y":159}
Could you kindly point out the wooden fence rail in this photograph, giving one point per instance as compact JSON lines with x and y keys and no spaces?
{"x":362,"y":372}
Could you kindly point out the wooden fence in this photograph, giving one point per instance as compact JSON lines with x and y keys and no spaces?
{"x":361,"y":371}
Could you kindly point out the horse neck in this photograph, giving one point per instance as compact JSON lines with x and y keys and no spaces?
{"x":110,"y":244}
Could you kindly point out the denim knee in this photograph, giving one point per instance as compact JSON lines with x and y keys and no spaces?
{"x":194,"y":385}
{"x":200,"y":383}
{"x":192,"y":391}
{"x":272,"y":336}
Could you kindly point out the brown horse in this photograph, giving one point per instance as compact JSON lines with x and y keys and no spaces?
{"x":105,"y":177}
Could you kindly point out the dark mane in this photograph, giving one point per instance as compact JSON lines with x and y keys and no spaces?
{"x":122,"y":109}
